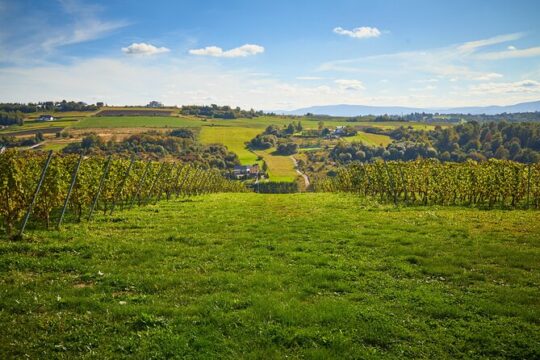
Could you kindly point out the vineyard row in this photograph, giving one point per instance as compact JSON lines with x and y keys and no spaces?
{"x":47,"y":187}
{"x":499,"y":183}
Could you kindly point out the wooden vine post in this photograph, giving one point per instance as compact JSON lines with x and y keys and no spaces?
{"x":101,"y":182}
{"x":70,"y":190}
{"x":36,"y":193}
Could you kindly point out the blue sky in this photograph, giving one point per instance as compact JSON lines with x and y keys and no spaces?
{"x":271,"y":54}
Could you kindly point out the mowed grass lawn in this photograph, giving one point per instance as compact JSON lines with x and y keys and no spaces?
{"x":280,"y":167}
{"x":369,"y":139}
{"x":138,"y":121}
{"x":234,"y":138}
{"x":276,"y":276}
{"x":38,"y":125}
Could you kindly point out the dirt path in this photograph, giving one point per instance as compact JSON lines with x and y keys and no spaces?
{"x":306,"y":178}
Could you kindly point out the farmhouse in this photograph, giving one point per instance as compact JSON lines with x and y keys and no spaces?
{"x":154,"y":104}
{"x":46,"y":118}
{"x":246,"y":171}
{"x":340,"y":130}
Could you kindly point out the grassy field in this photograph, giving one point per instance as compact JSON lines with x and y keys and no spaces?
{"x":275,"y":276}
{"x":38,"y":125}
{"x":138,"y":122}
{"x":234,"y":138}
{"x":369,"y":139}
{"x":280,"y":167}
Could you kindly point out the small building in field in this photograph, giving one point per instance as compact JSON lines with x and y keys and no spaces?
{"x":246,"y":171}
{"x":46,"y":118}
{"x":340,"y":130}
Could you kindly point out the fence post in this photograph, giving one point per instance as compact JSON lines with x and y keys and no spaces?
{"x":101,"y":182}
{"x":190,"y":180}
{"x":171,"y":171}
{"x":391,"y":181}
{"x":139,"y":185}
{"x":73,"y":180}
{"x":528,"y":184}
{"x":186,"y":176}
{"x":36,"y":193}
{"x":176,"y":180}
{"x":121,"y":187}
{"x":154,"y":183}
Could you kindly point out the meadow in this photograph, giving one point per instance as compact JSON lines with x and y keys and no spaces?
{"x":369,"y":139}
{"x":234,"y":138}
{"x":137,"y":122}
{"x":275,"y":276}
{"x":280,"y":168}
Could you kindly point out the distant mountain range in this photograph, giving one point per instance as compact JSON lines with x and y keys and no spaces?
{"x":357,"y":110}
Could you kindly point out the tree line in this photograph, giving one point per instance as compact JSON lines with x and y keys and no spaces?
{"x":473,"y":140}
{"x":219,"y":112}
{"x":280,"y":138}
{"x":63,"y":105}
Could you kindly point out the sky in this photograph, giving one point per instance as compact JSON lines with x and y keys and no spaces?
{"x":271,"y":55}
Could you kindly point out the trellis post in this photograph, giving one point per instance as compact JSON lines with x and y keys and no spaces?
{"x":101,"y":182}
{"x":70,"y":190}
{"x":36,"y":193}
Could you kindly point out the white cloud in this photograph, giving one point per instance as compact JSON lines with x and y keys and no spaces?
{"x":487,"y":77}
{"x":363,"y":32}
{"x":309,"y":78}
{"x":511,"y":47}
{"x":472,"y":46}
{"x":143,"y":49}
{"x":510,"y":54}
{"x":524,"y":86}
{"x":241,"y":51}
{"x":455,"y":62}
{"x":427,"y":81}
{"x":350,"y":84}
{"x":423,"y":89}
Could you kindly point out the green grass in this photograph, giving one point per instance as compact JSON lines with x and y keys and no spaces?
{"x":276,"y":276}
{"x":138,"y":122}
{"x":280,"y":167}
{"x":234,"y":138}
{"x":369,"y":139}
{"x":38,"y":125}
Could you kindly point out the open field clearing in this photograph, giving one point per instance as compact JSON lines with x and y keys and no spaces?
{"x":61,"y":114}
{"x":233,"y":138}
{"x":369,"y":139}
{"x":280,"y":167}
{"x":274,"y":276}
{"x":138,"y":121}
{"x":33,"y":125}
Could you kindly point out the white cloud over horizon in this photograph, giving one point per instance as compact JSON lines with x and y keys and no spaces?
{"x":135,"y":81}
{"x":144,"y":49}
{"x":350,"y":84}
{"x":241,"y":51}
{"x":363,"y":32}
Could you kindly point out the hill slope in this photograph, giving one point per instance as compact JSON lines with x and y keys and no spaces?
{"x":270,"y":276}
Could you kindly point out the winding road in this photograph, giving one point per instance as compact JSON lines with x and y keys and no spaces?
{"x":306,"y":178}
